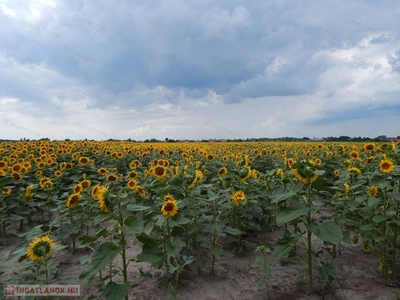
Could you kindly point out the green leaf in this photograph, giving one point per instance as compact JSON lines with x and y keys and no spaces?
{"x":217,"y":250}
{"x":380,"y":218}
{"x":135,"y":207}
{"x":372,"y":201}
{"x":104,"y":255}
{"x":153,"y":255}
{"x":232,"y":231}
{"x":146,"y":240}
{"x":117,"y":291}
{"x":183,"y":221}
{"x":395,"y":196}
{"x":135,"y":227}
{"x":102,"y":217}
{"x":328,"y":232}
{"x":285,"y":215}
{"x":327,"y":272}
{"x":282,"y":251}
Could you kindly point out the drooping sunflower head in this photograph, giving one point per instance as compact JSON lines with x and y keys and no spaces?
{"x":279,"y":173}
{"x":355,"y":170}
{"x":386,"y":166}
{"x":104,"y":205}
{"x":73,"y":200}
{"x":370,"y":159}
{"x":95,"y":191}
{"x":169,"y":197}
{"x":373,"y":191}
{"x":40,"y":248}
{"x":290,"y":162}
{"x":238,"y":197}
{"x":139,"y":189}
{"x":336,"y":173}
{"x":169,"y":208}
{"x":28,"y":192}
{"x":303,"y":171}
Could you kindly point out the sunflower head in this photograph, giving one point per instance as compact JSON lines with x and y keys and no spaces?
{"x":169,"y":208}
{"x":386,"y":166}
{"x":223,"y":171}
{"x":78,"y":188}
{"x":132,"y":184}
{"x":73,"y":200}
{"x":84,"y":160}
{"x":40,"y":248}
{"x":139,"y":189}
{"x":238,"y":197}
{"x":373,"y":191}
{"x":159,"y":171}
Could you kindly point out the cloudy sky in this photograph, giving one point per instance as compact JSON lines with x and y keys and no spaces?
{"x":199,"y":69}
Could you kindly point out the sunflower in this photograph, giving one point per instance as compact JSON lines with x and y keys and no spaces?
{"x":210,"y":157}
{"x":132,"y":184}
{"x":159,"y":171}
{"x":41,"y":165}
{"x":16,"y":176}
{"x":3,"y":164}
{"x":169,"y":197}
{"x":370,"y":147}
{"x":279,"y":173}
{"x":103,"y":204}
{"x":355,"y":170}
{"x":45,"y":183}
{"x":112,"y":178}
{"x":139,"y":189}
{"x":133,"y":175}
{"x":86,"y":183}
{"x":318,"y":161}
{"x":386,"y":166}
{"x":373,"y":191}
{"x":290,"y":162}
{"x":78,"y":188}
{"x":16,"y":168}
{"x":6,"y":192}
{"x":354,"y":155}
{"x":238,"y":197}
{"x":84,"y":160}
{"x":302,"y":177}
{"x":336,"y":173}
{"x":102,"y":171}
{"x":28,"y":192}
{"x":169,"y":208}
{"x":223,"y":171}
{"x":39,"y":248}
{"x":57,"y":173}
{"x":95,"y":191}
{"x":370,"y":159}
{"x":73,"y":200}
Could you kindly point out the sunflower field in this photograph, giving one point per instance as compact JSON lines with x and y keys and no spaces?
{"x":189,"y":204}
